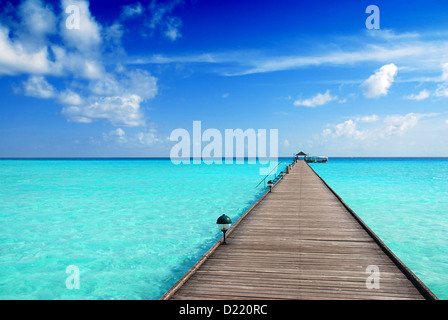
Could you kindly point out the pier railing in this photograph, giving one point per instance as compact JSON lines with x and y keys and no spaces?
{"x":264,"y":179}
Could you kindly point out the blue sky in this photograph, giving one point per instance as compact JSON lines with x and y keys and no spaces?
{"x":135,"y":71}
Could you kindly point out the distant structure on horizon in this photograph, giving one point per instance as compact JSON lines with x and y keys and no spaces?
{"x":310,"y":159}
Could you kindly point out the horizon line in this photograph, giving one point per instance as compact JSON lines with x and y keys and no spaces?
{"x":192,"y":158}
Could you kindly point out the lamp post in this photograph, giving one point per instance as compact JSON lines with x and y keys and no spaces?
{"x":270,"y":184}
{"x":224,"y":222}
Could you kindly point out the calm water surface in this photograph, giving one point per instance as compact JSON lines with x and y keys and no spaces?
{"x":132,"y":227}
{"x":405,"y":202}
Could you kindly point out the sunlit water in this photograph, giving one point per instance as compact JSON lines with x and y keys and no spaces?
{"x":405,"y":202}
{"x":132,"y":227}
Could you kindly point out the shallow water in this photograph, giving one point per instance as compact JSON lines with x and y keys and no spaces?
{"x":132,"y":227}
{"x":405,"y":202}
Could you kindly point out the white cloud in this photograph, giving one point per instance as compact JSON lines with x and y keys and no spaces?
{"x":15,"y":59}
{"x":442,"y":90}
{"x":141,"y":139}
{"x":160,"y":59}
{"x":286,"y":143}
{"x":445,"y":71}
{"x":118,"y":135}
{"x":115,"y":98}
{"x":119,"y":110}
{"x":379,"y":83}
{"x":371,"y":118}
{"x":422,"y":95}
{"x":408,"y":53}
{"x":132,"y":10}
{"x":391,"y":125}
{"x":418,"y":52}
{"x":87,"y":38}
{"x":138,"y":82}
{"x":173,"y":26}
{"x":120,"y":132}
{"x":318,"y":100}
{"x":390,"y":35}
{"x":38,"y":21}
{"x":105,"y":86}
{"x":400,"y":124}
{"x":26,"y":48}
{"x":347,"y":128}
{"x":148,"y":138}
{"x":38,"y":87}
{"x":95,"y":93}
{"x":160,"y":17}
{"x":112,"y":38}
{"x":68,"y":97}
{"x":225,"y":95}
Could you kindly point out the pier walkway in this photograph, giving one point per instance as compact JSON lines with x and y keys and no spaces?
{"x":300,"y":241}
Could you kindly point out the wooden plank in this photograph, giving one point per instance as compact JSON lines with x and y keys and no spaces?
{"x":300,"y":241}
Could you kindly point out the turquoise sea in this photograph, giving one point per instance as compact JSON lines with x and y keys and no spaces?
{"x":405,"y":202}
{"x":133,"y":227}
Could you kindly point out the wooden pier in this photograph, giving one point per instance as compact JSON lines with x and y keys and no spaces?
{"x":299,"y":241}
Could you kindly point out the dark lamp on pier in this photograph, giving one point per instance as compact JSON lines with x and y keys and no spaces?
{"x":270,"y":184}
{"x":224,"y":222}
